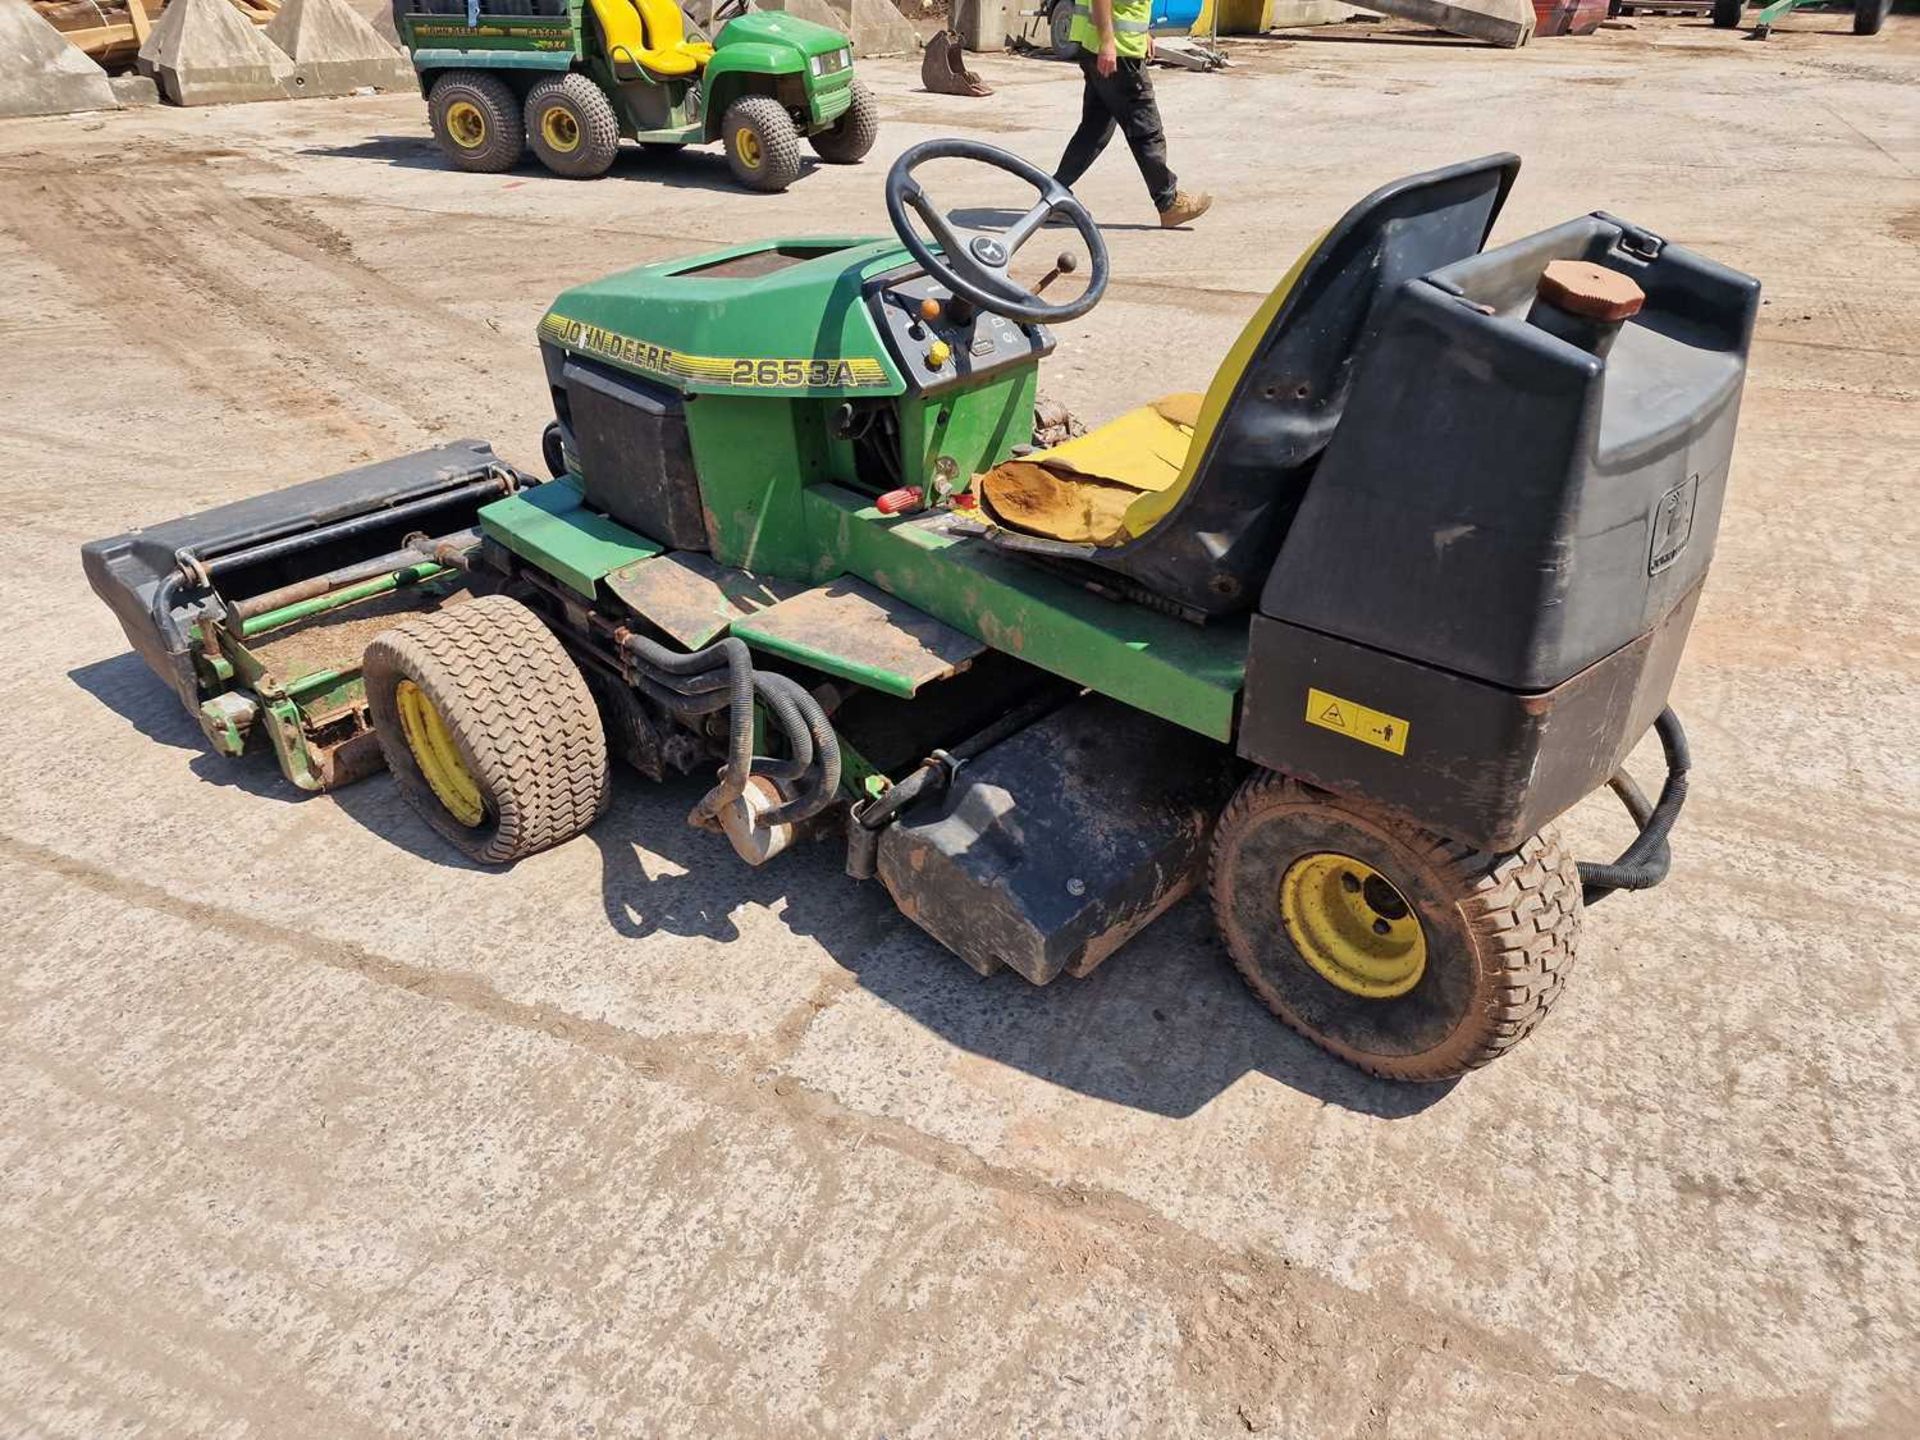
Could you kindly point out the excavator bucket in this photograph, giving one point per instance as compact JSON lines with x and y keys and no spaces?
{"x":943,"y":67}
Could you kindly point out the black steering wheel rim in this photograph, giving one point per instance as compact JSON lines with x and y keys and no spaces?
{"x":974,"y":264}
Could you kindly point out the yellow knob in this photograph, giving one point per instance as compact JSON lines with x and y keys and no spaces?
{"x":938,"y":354}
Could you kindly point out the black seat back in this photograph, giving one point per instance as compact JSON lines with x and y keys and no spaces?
{"x":1213,"y":549}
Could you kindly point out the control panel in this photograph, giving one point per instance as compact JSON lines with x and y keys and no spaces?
{"x":941,"y":339}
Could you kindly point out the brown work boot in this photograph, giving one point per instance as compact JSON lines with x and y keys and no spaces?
{"x":1184,"y":208}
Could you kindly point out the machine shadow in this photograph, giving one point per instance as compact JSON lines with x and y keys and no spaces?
{"x":695,"y":168}
{"x":1164,"y":1026}
{"x":123,"y":684}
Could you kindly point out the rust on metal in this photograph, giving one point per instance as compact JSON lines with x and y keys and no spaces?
{"x":692,"y":597}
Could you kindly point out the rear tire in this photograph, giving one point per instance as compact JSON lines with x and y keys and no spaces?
{"x":763,"y":148}
{"x":476,"y":120}
{"x":1727,"y":13}
{"x":1870,"y":15}
{"x":853,"y":134}
{"x":1472,"y":949}
{"x":516,"y":712}
{"x":1060,"y":30}
{"x":571,"y":127}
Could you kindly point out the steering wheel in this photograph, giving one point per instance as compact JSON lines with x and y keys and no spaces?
{"x":973,"y":263}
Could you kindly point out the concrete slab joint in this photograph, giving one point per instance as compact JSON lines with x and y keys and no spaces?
{"x":41,"y":73}
{"x":204,"y":52}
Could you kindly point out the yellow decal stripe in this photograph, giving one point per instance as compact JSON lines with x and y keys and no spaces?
{"x":1357,"y":722}
{"x":750,"y":372}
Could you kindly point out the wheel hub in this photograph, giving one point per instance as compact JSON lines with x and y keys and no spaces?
{"x":439,"y":759}
{"x":746,"y":145}
{"x":1352,"y":926}
{"x":560,"y":130}
{"x":466,"y":125}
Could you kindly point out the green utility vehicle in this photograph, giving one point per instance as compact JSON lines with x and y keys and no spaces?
{"x":1339,"y":638}
{"x":568,"y":78}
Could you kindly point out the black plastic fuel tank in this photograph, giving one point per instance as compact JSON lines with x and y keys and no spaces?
{"x":1480,"y":605}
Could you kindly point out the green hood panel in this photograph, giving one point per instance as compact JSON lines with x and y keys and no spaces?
{"x":771,"y":27}
{"x":780,"y":317}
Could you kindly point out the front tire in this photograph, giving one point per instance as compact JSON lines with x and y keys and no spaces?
{"x":1727,"y":13}
{"x":489,"y":728}
{"x":853,"y":134}
{"x":763,"y":148}
{"x":1060,"y":31}
{"x":1870,"y":15}
{"x":571,"y":127}
{"x":476,"y":121}
{"x":1410,"y":956}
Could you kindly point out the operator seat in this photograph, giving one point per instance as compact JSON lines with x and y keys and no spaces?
{"x":1191,"y":495}
{"x":647,"y":40}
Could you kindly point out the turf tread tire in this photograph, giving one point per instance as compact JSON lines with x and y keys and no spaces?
{"x":520,"y":714}
{"x":1522,"y":911}
{"x":854,"y":133}
{"x":1727,"y":13}
{"x":1870,"y":15}
{"x":779,"y":143}
{"x":592,"y":112}
{"x":506,"y":133}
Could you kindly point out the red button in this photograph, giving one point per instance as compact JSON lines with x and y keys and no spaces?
{"x":898,"y":502}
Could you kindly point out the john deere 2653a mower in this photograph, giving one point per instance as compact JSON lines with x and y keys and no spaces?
{"x":568,"y":78}
{"x":1339,"y":638}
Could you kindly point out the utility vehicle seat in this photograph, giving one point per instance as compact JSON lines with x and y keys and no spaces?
{"x":647,"y":40}
{"x":1190,"y":496}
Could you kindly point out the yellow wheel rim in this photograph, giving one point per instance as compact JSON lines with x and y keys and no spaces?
{"x":467,"y":124}
{"x":560,"y":130}
{"x":437,"y":756}
{"x":1352,"y":926}
{"x":746,"y":145}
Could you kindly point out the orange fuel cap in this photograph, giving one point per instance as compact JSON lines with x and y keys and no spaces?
{"x":1591,"y":291}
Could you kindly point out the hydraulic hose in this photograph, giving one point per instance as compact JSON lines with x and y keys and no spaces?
{"x":1645,"y":862}
{"x":722,"y":676}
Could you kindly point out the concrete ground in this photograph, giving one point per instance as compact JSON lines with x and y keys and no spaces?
{"x":306,"y":1129}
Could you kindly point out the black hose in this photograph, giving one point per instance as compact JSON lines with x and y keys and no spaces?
{"x":733,"y":654}
{"x":1646,"y":861}
{"x":810,"y":734}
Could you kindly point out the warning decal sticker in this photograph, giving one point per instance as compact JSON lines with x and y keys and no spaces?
{"x":1357,"y":722}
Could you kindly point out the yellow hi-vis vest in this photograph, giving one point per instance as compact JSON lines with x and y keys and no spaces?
{"x":1130,"y":22}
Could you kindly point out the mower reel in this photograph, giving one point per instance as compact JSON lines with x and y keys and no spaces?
{"x":973,"y":263}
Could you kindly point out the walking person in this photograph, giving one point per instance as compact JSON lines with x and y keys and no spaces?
{"x":1115,"y":44}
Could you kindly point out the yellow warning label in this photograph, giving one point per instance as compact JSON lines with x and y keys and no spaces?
{"x":1357,"y":722}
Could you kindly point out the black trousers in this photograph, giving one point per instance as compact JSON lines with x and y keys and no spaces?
{"x":1123,"y":99}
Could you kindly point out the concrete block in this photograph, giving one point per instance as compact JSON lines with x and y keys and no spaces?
{"x":1292,"y":14}
{"x":336,"y":52}
{"x":379,"y":14}
{"x":131,"y":89}
{"x":41,"y":73}
{"x":876,"y":27}
{"x":1506,"y":23}
{"x":204,"y":52}
{"x":817,"y":11}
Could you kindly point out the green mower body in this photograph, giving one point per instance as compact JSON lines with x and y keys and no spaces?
{"x":1422,"y":586}
{"x":765,"y":82}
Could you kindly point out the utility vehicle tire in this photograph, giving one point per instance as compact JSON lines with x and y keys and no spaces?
{"x":571,"y":127}
{"x":476,"y":119}
{"x":1727,"y":13}
{"x":1870,"y":15}
{"x":508,"y":756}
{"x":853,"y":134}
{"x":1411,"y":956}
{"x":1060,"y":30}
{"x":763,"y":148}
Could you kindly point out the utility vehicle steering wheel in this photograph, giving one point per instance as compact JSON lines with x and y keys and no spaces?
{"x":974,"y":263}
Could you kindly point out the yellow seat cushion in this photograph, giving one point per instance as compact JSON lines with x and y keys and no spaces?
{"x":651,"y":35}
{"x":1115,"y":483}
